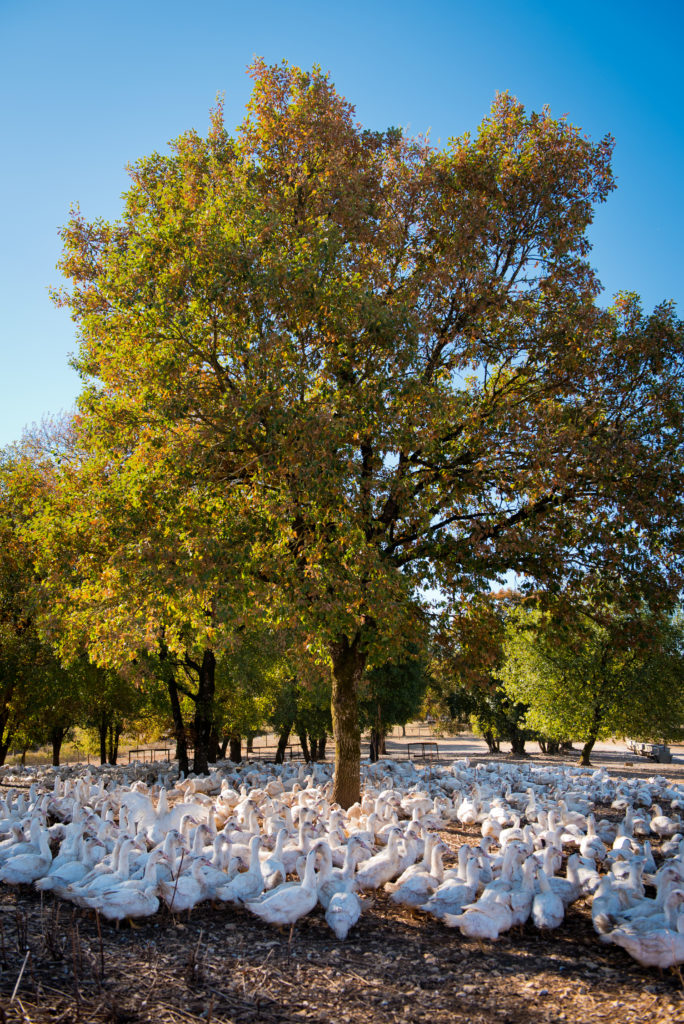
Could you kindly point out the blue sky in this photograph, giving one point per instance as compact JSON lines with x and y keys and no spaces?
{"x":88,"y":86}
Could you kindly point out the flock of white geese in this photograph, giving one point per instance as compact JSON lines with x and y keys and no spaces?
{"x":267,"y":838}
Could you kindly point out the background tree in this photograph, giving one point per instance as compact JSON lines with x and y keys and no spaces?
{"x":391,"y":694}
{"x":466,"y":682}
{"x":138,"y":568}
{"x":21,"y":654}
{"x":390,"y":359}
{"x":27,"y":665}
{"x":47,"y":702}
{"x":599,"y":673}
{"x":313,"y":720}
{"x":301,"y":703}
{"x":490,"y":711}
{"x":114,"y":705}
{"x":247,"y":676}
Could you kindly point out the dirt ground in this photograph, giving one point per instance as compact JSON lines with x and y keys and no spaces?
{"x":224,"y":965}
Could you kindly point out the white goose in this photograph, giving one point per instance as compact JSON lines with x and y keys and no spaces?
{"x":19,"y":842}
{"x":521,"y":898}
{"x":454,"y":894}
{"x":26,"y":868}
{"x":130,"y":898}
{"x":382,"y":867}
{"x":663,"y":825}
{"x":246,"y":885}
{"x":273,"y":868}
{"x":668,"y":879}
{"x":464,"y":855}
{"x":342,"y":912}
{"x":68,"y":872}
{"x":567,"y":888}
{"x":486,"y":919}
{"x":414,"y":869}
{"x":660,"y":946}
{"x":592,"y":845}
{"x":103,"y":875}
{"x":15,"y":838}
{"x":588,"y":876}
{"x":468,"y":811}
{"x":419,"y":886}
{"x":186,"y":891}
{"x":341,"y":880}
{"x":547,"y":907}
{"x":296,"y":848}
{"x":607,"y":906}
{"x":288,"y":902}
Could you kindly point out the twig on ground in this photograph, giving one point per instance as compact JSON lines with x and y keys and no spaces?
{"x":21,"y":975}
{"x":23,"y":1012}
{"x":102,"y":956}
{"x":74,"y":966}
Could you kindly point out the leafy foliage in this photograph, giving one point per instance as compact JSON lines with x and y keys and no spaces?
{"x":603,"y":673}
{"x":370,"y":367}
{"x":392,"y":694}
{"x":466,"y":682}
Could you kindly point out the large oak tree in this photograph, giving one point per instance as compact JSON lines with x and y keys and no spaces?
{"x":391,"y":356}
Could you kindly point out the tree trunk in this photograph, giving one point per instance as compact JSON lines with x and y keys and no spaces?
{"x":224,"y":747}
{"x":348,"y":662}
{"x":204,"y":713}
{"x":214,"y":748}
{"x":320,"y":752}
{"x":115,"y":730}
{"x":178,"y":725}
{"x":374,"y":751}
{"x":102,"y":727}
{"x":592,"y":736}
{"x":304,"y":744}
{"x":235,"y":748}
{"x":250,"y":743}
{"x":517,"y":742}
{"x":490,"y":740}
{"x":377,"y":736}
{"x":57,"y":734}
{"x":5,"y":738}
{"x":282,"y":745}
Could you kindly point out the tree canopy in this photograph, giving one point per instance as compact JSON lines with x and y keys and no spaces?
{"x":385,"y":363}
{"x":597,"y":673}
